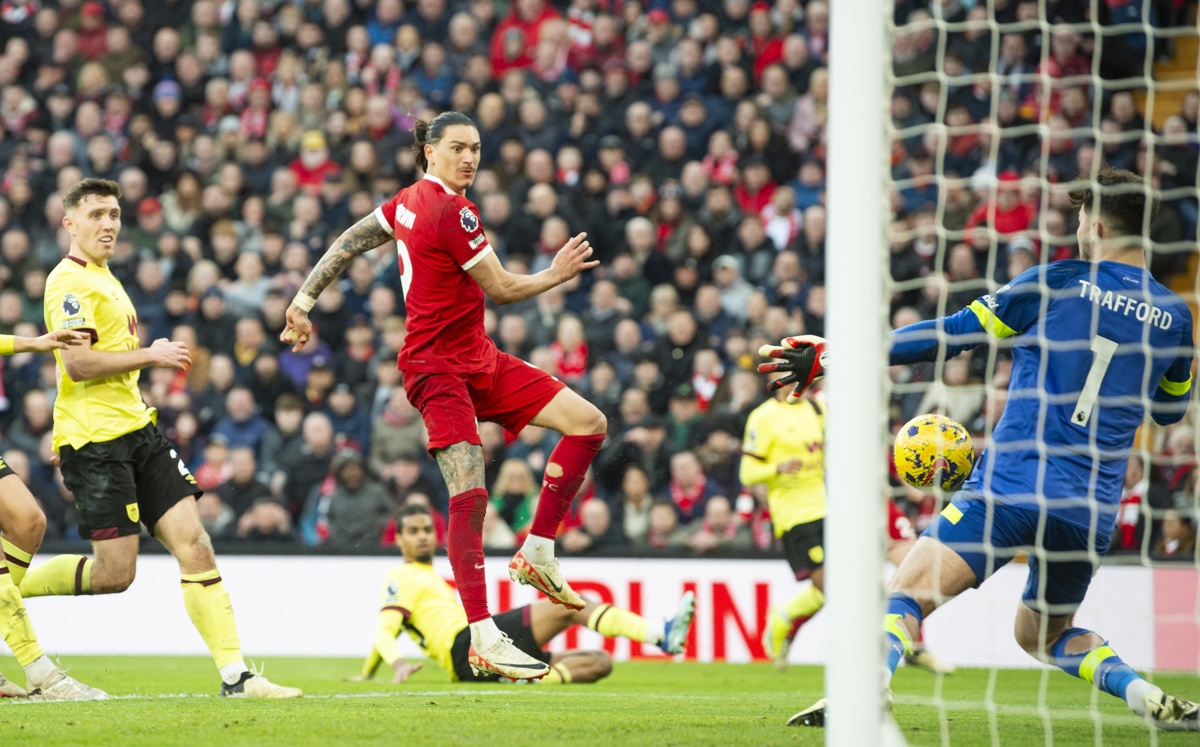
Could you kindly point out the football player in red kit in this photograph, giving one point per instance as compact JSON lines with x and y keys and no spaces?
{"x":455,"y":376}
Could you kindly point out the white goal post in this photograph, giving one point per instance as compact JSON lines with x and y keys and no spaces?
{"x":856,"y":263}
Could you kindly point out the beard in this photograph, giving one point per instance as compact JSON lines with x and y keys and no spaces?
{"x":426,"y":558}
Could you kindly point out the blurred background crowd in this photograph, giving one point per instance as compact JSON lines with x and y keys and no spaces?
{"x":687,"y":137}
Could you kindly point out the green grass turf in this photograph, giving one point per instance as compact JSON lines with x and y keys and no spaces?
{"x":168,"y":701}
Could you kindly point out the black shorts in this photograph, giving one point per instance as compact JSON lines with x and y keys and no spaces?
{"x":5,"y":470}
{"x":803,"y":546}
{"x":120,"y":483}
{"x":515,"y":623}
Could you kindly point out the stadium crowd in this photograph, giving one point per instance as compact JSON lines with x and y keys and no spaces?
{"x":686,"y":137}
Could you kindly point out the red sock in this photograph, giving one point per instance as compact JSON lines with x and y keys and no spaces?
{"x":564,"y":474}
{"x":464,"y":545}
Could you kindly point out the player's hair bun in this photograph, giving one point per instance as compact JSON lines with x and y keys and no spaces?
{"x":429,"y":133}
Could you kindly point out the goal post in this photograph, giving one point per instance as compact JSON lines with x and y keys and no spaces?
{"x":856,"y":265}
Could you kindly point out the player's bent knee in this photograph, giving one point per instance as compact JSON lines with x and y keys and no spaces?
{"x":28,"y":528}
{"x":604,"y":664}
{"x":117,"y":586}
{"x":112,"y":580}
{"x":597,"y":423}
{"x":1028,"y":643}
{"x":1029,"y":634}
{"x":589,"y":666}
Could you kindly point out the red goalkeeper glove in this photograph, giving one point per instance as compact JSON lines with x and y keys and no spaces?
{"x":802,"y":357}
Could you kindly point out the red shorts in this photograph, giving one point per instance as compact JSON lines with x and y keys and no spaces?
{"x":510,"y":392}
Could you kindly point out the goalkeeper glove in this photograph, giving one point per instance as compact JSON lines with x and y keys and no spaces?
{"x":802,"y":357}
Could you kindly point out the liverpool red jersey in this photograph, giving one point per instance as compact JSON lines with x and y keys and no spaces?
{"x":438,"y":238}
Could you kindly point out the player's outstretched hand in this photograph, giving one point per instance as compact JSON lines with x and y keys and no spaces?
{"x":298,"y":328}
{"x":572,"y":259}
{"x":167,"y":354}
{"x":57,"y":340}
{"x":802,"y":358}
{"x":403,"y":670}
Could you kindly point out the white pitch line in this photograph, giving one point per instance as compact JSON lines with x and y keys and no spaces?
{"x":539,"y":692}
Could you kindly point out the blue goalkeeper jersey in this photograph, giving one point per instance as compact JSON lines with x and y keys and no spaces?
{"x":1094,"y":345}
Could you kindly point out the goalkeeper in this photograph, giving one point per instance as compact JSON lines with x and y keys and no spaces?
{"x":1097,"y":344}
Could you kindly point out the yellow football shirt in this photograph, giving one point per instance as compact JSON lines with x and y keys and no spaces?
{"x":431,"y":611}
{"x":777,"y":432}
{"x":83,"y":296}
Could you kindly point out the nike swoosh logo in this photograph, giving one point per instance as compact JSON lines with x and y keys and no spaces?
{"x":554,"y":586}
{"x":480,"y":566}
{"x":521,"y":666}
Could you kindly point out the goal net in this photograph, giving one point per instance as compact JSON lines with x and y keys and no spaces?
{"x":994,"y":110}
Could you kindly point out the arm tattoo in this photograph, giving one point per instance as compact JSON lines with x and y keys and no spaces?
{"x":462,"y":466}
{"x":360,"y":238}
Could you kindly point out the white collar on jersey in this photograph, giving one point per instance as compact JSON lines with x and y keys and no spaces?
{"x":433,"y":178}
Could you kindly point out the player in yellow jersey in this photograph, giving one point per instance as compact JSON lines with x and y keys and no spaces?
{"x":23,"y":524}
{"x":784,"y":449}
{"x":121,"y":470}
{"x":417,"y":599}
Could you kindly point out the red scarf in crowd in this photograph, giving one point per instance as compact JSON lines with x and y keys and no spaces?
{"x":685,"y":499}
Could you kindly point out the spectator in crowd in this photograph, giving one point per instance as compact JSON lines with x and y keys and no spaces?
{"x":398,"y":430}
{"x":215,"y":469}
{"x":1178,"y":540}
{"x":242,"y":424}
{"x":515,"y":494}
{"x":689,"y":489}
{"x":664,"y":532}
{"x":1129,"y":514}
{"x":596,"y":533}
{"x":266,"y":519}
{"x":497,"y":535}
{"x":719,"y":529}
{"x":243,"y":488}
{"x":308,"y":465}
{"x":631,"y":506}
{"x":351,"y":422}
{"x":359,"y":506}
{"x":36,"y":421}
{"x":282,"y":441}
{"x":216,"y":516}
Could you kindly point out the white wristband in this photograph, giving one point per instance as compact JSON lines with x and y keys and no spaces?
{"x":304,"y":302}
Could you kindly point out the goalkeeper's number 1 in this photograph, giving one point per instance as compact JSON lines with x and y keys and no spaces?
{"x":1104,"y":349}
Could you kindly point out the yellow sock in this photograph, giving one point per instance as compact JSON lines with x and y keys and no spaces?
{"x":559,"y":675}
{"x":805,"y":604}
{"x":209,"y":607}
{"x":613,"y":622}
{"x":14,"y":622}
{"x":60,"y":576}
{"x":17,"y":560}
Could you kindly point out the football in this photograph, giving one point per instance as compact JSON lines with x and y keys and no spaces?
{"x":933,"y":450}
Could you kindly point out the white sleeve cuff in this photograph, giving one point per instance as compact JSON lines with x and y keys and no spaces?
{"x":483,"y":252}
{"x":384,"y":221}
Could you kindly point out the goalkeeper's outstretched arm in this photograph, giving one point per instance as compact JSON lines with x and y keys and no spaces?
{"x":803,"y":358}
{"x":924,"y":341}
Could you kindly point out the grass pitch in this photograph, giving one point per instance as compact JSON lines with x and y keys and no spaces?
{"x":171,"y":701}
